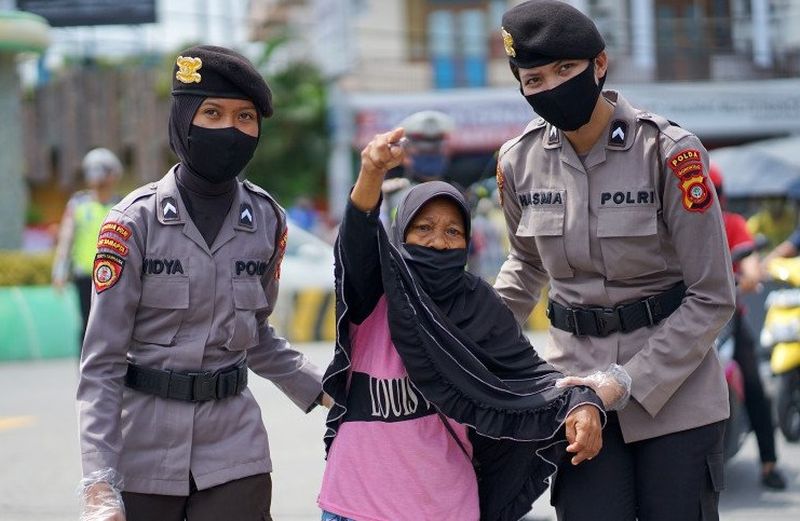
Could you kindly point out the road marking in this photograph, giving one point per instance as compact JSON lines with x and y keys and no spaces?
{"x":16,"y":422}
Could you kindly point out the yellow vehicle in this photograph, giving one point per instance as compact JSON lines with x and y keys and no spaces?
{"x":781,"y":333}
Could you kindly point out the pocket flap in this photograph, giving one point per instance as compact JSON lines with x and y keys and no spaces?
{"x":541,"y":223}
{"x":165,"y":292}
{"x":638,"y":222}
{"x":248,"y":294}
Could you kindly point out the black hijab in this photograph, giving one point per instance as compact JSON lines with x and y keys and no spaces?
{"x":465,"y":353}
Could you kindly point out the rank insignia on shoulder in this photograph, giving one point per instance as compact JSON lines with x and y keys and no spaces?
{"x":246,"y":215}
{"x":617,"y":133}
{"x":553,"y":138}
{"x":687,"y":165}
{"x":107,"y":270}
{"x":169,"y":209}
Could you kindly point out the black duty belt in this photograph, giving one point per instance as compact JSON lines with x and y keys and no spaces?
{"x":188,"y":386}
{"x":595,"y":321}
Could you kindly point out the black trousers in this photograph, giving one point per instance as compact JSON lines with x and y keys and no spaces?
{"x":246,"y":499}
{"x":673,"y":477}
{"x":756,"y":402}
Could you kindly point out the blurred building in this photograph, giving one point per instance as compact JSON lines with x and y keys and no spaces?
{"x":726,"y":69}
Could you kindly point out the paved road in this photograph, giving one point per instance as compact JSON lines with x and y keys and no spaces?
{"x":39,"y":460}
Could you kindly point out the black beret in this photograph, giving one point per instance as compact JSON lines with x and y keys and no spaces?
{"x":538,"y":32}
{"x":217,"y":72}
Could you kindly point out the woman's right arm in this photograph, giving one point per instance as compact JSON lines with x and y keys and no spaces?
{"x":117,"y":289}
{"x":358,"y":232}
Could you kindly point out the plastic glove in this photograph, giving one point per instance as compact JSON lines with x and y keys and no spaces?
{"x":101,"y":499}
{"x":613,"y":385}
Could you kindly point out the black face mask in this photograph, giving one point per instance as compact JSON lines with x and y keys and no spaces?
{"x":439,"y":272}
{"x":570,"y":105}
{"x":219,"y":154}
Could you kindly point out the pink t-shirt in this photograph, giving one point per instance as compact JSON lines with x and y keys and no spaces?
{"x":402,"y":470}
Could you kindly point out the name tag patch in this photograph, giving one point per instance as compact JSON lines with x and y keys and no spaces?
{"x":647,"y":197}
{"x":249,"y":267}
{"x":541,"y":198}
{"x":162,"y":267}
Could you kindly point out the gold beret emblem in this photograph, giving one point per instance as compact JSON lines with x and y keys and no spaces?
{"x":508,"y":42}
{"x":187,"y":69}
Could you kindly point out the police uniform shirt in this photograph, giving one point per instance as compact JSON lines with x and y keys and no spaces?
{"x":164,"y":299}
{"x":634,"y":218}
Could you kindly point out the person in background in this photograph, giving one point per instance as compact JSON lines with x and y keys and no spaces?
{"x":80,"y":226}
{"x":776,"y":220}
{"x":303,"y":213}
{"x":748,"y":276}
{"x":611,"y":205}
{"x":427,"y":156}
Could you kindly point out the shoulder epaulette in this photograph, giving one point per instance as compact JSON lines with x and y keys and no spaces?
{"x":280,"y":213}
{"x":536,"y":124}
{"x":669,"y":128}
{"x":140,"y":193}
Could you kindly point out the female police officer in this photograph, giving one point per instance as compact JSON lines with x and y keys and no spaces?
{"x":612,"y":206}
{"x":185,"y":276}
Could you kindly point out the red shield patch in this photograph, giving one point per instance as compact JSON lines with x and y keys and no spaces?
{"x":501,"y":181}
{"x":107,"y":270}
{"x":687,"y":165}
{"x":281,"y":252}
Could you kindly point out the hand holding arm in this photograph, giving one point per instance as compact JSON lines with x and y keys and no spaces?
{"x":613,"y":385}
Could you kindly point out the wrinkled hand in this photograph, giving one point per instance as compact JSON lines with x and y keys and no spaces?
{"x":382,"y":154}
{"x":584,"y":433}
{"x":102,"y":502}
{"x":613,"y":386}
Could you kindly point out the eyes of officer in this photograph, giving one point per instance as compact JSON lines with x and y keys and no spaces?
{"x":224,"y":112}
{"x":546,"y":77}
{"x":439,"y":224}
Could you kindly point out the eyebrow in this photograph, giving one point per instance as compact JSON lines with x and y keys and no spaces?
{"x":217,"y":105}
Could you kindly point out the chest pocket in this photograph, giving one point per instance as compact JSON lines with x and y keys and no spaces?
{"x":162,"y":308}
{"x":546,"y":227}
{"x":629,"y":242}
{"x":248,"y":298}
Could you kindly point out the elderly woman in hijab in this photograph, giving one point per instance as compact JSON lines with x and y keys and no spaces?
{"x":443,"y":410}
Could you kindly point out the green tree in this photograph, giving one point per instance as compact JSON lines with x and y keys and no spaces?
{"x":292,"y":155}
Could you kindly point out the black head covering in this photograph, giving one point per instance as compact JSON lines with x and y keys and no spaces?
{"x":538,"y":32}
{"x":218,"y":72}
{"x":465,"y":353}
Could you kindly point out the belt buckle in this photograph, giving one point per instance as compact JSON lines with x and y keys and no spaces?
{"x":204,"y":386}
{"x":607,"y":321}
{"x":574,"y":314}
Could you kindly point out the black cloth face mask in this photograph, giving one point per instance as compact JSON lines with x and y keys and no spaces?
{"x":569,"y":106}
{"x":440,"y":272}
{"x":219,"y":154}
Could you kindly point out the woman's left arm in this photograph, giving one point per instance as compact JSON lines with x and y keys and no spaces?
{"x":274,"y":358}
{"x":696,"y":230}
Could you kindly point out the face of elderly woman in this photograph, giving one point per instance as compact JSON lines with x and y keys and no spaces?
{"x":225,"y":112}
{"x":439,"y":224}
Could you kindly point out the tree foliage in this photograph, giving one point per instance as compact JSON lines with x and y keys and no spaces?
{"x":292,"y":155}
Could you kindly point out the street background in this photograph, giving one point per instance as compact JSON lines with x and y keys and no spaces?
{"x":41,"y":466}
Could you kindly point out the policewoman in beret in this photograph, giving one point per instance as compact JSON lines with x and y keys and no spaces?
{"x":612,"y":206}
{"x":185,"y":278}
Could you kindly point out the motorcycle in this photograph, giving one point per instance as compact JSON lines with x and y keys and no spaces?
{"x":781,"y":334}
{"x":737,"y":427}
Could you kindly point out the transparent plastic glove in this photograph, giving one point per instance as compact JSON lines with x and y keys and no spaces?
{"x":613,"y":385}
{"x":101,"y":499}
